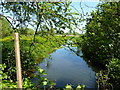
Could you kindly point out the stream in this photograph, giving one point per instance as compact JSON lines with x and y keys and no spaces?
{"x":65,"y":67}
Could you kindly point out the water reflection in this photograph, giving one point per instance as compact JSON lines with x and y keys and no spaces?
{"x":66,"y":67}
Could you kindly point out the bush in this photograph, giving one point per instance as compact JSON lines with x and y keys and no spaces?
{"x":31,"y":53}
{"x":114,"y":72}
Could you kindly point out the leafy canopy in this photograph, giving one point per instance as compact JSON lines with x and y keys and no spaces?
{"x":42,"y":16}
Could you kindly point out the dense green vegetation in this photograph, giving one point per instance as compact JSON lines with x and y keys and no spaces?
{"x":31,"y":55}
{"x":101,"y":43}
{"x":26,"y":31}
{"x":52,"y":17}
{"x":5,"y":28}
{"x":49,"y":19}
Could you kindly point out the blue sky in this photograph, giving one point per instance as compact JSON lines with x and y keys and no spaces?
{"x":87,"y":6}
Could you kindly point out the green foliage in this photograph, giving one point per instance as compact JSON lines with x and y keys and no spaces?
{"x":79,"y":87}
{"x":110,"y":78}
{"x":68,"y":87}
{"x":103,"y":80}
{"x":101,"y":40}
{"x":47,"y":15}
{"x":43,"y":81}
{"x":101,"y":43}
{"x":114,"y":67}
{"x":114,"y":72}
{"x":30,"y":55}
{"x":5,"y":27}
{"x":78,"y":41}
{"x":41,"y":48}
{"x":5,"y":79}
{"x":26,"y":31}
{"x":27,"y":84}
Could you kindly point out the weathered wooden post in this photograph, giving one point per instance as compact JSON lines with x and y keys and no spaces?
{"x":18,"y":63}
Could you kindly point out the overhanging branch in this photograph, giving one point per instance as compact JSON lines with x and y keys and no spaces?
{"x":6,"y":17}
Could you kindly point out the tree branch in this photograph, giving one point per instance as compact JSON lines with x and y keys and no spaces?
{"x":6,"y":17}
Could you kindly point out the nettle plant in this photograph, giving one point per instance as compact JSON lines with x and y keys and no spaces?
{"x":27,"y":83}
{"x":42,"y":82}
{"x":5,"y":79}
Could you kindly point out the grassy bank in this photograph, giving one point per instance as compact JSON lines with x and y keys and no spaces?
{"x":31,"y":52}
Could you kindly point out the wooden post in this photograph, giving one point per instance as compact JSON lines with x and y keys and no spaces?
{"x":18,"y":63}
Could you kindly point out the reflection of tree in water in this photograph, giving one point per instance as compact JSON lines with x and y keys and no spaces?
{"x":78,"y":52}
{"x":48,"y":61}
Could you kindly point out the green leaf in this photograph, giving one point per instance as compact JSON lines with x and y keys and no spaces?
{"x":44,"y":83}
{"x":68,"y":86}
{"x":79,"y":87}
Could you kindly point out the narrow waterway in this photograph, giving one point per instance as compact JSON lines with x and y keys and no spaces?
{"x":65,"y":67}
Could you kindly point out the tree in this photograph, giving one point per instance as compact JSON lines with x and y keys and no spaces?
{"x":40,"y":15}
{"x":5,"y":27}
{"x":43,"y":17}
{"x":102,"y":40}
{"x":26,"y":31}
{"x":102,"y":33}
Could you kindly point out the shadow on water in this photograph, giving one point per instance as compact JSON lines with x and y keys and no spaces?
{"x":78,"y":52}
{"x":65,"y":66}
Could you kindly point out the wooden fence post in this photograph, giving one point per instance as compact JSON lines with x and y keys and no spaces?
{"x":18,"y":63}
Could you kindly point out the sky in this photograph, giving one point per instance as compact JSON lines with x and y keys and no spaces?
{"x":87,"y":7}
{"x":85,"y":0}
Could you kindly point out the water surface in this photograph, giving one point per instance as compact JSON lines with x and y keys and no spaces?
{"x":65,"y":67}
